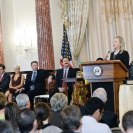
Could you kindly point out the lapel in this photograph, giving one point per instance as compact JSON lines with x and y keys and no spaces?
{"x":36,"y":76}
{"x":62,"y":72}
{"x":3,"y":77}
{"x":29,"y":75}
{"x":69,"y":72}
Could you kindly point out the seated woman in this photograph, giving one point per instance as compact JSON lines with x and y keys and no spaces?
{"x":119,"y":53}
{"x":16,"y":84}
{"x":42,"y":112}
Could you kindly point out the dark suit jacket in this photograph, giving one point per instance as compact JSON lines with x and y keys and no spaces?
{"x":59,"y":77}
{"x":109,"y":118}
{"x":123,"y":57}
{"x":39,"y":82}
{"x":4,"y":84}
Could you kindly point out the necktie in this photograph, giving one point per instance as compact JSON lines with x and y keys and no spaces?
{"x":34,"y":76}
{"x":65,"y":74}
{"x":64,"y":84}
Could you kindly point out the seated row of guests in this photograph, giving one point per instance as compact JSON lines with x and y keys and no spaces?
{"x":34,"y":83}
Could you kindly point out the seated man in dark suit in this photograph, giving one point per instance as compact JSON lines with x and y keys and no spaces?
{"x":35,"y":82}
{"x":65,"y":72}
{"x":4,"y":79}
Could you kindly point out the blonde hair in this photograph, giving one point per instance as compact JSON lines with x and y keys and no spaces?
{"x":17,"y":66}
{"x":122,"y":42}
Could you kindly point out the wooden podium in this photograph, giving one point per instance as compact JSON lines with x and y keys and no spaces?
{"x":106,"y":71}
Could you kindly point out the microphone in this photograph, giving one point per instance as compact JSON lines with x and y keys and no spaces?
{"x":107,"y":55}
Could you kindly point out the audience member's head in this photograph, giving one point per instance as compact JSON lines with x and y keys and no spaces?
{"x":23,"y":101}
{"x":2,"y":69}
{"x":5,"y":127}
{"x":58,"y":102}
{"x":25,"y":120}
{"x":101,"y":94}
{"x":11,"y":112}
{"x":3,"y":100}
{"x":99,"y":59}
{"x":127,"y":122}
{"x":34,"y":65}
{"x":71,"y":116}
{"x":42,"y":113}
{"x":94,"y":107}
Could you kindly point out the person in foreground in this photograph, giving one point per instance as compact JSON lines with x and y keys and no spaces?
{"x":11,"y":112}
{"x":23,"y":101}
{"x":71,"y":117}
{"x":42,"y":112}
{"x":94,"y":109}
{"x":6,"y":127}
{"x":58,"y":102}
{"x":108,"y":117}
{"x":127,"y":122}
{"x":119,"y":53}
{"x":26,"y":121}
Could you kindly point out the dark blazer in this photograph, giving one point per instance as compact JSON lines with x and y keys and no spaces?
{"x":39,"y":82}
{"x":59,"y":77}
{"x":4,"y":84}
{"x":123,"y":57}
{"x":109,"y":118}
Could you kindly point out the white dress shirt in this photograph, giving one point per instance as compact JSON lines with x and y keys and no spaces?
{"x":90,"y":125}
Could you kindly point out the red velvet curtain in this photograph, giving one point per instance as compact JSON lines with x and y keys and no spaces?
{"x":44,"y":33}
{"x":1,"y":47}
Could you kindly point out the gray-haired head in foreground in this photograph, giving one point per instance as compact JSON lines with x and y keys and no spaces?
{"x":101,"y":94}
{"x":127,"y":122}
{"x":58,"y":102}
{"x":22,"y":100}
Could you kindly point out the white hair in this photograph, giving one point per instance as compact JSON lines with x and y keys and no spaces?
{"x":58,"y":102}
{"x":101,"y":94}
{"x":22,"y":100}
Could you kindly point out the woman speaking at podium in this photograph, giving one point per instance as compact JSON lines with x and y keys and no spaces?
{"x":119,"y":53}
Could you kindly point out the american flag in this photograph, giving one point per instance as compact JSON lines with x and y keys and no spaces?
{"x":65,"y":50}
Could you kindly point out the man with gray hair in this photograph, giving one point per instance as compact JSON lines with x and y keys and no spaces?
{"x":23,"y":101}
{"x":108,"y":117}
{"x":58,"y":102}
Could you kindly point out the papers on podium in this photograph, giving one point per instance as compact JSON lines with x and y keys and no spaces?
{"x":69,"y":80}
